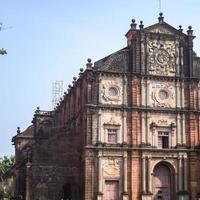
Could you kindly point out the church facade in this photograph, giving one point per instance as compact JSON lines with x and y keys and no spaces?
{"x":128,"y":128}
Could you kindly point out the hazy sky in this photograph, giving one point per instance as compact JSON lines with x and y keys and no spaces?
{"x":51,"y":40}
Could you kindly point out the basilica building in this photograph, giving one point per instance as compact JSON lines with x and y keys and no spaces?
{"x":128,"y":128}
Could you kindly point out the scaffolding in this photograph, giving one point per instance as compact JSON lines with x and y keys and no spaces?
{"x":57,"y":92}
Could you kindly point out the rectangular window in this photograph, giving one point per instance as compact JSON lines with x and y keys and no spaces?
{"x":163,"y":139}
{"x":112,"y":136}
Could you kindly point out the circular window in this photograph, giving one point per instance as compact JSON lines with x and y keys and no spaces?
{"x":163,"y":94}
{"x":112,"y":91}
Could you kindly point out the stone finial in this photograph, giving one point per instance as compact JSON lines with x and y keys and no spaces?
{"x":180,"y":29}
{"x":190,"y":31}
{"x":18,"y":130}
{"x":69,"y":86}
{"x":133,"y":24}
{"x":161,"y":18}
{"x":37,"y":110}
{"x":74,"y":78}
{"x":81,"y":71}
{"x":141,"y":25}
{"x":89,"y":63}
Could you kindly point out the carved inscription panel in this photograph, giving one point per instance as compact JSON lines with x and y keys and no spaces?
{"x":162,"y":57}
{"x":162,"y":94}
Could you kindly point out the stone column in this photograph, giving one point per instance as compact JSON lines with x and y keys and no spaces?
{"x":28,"y":166}
{"x":185,"y":174}
{"x":178,"y":130}
{"x":178,"y":98}
{"x":124,"y":128}
{"x":143,"y":128}
{"x":180,"y":174}
{"x":143,"y":91}
{"x":181,"y":61}
{"x":99,"y":137}
{"x":149,"y":176}
{"x":124,"y":90}
{"x":182,"y":95}
{"x":148,"y":134}
{"x":199,"y":130}
{"x":199,"y":95}
{"x":144,"y":174}
{"x":125,"y":173}
{"x":100,"y":174}
{"x":183,"y":129}
{"x":147,"y":94}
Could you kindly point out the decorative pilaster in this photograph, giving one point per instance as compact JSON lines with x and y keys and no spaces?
{"x":199,"y":95}
{"x":181,"y":61}
{"x":124,"y":128}
{"x":143,"y":92}
{"x":149,"y":176}
{"x":28,"y":186}
{"x":180,"y":174}
{"x":199,"y":129}
{"x":147,"y":93}
{"x":125,"y":188}
{"x":144,"y":175}
{"x":183,"y":129}
{"x":143,"y":128}
{"x":182,"y":95}
{"x":148,"y":134}
{"x":99,"y":136}
{"x":185,"y":174}
{"x":178,"y":92}
{"x":100,"y":177}
{"x":178,"y":130}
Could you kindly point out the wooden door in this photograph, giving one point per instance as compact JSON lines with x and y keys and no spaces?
{"x":112,"y":190}
{"x":162,"y":183}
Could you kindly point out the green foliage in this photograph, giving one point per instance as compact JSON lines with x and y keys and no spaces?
{"x":6,"y":181}
{"x":3,"y":52}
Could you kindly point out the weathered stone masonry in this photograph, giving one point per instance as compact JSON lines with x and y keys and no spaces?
{"x":128,"y":128}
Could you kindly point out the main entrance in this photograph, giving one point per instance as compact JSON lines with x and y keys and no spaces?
{"x":162,"y":183}
{"x":112,"y":190}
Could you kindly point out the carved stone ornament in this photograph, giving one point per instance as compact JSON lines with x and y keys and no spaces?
{"x":161,"y":30}
{"x":163,"y":95}
{"x":161,"y":57}
{"x":111,"y":93}
{"x":111,"y":168}
{"x":113,"y":122}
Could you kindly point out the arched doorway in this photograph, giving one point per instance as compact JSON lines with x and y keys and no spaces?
{"x":163,"y":182}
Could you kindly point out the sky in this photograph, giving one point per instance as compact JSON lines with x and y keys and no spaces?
{"x":49,"y":40}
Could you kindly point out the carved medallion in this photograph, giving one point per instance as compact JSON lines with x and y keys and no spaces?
{"x":111,"y":92}
{"x":162,"y":57}
{"x":162,"y":94}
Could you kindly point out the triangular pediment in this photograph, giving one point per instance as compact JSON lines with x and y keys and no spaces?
{"x":163,"y":28}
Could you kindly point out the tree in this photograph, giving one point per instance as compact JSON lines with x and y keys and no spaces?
{"x":6,"y":181}
{"x":2,"y":51}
